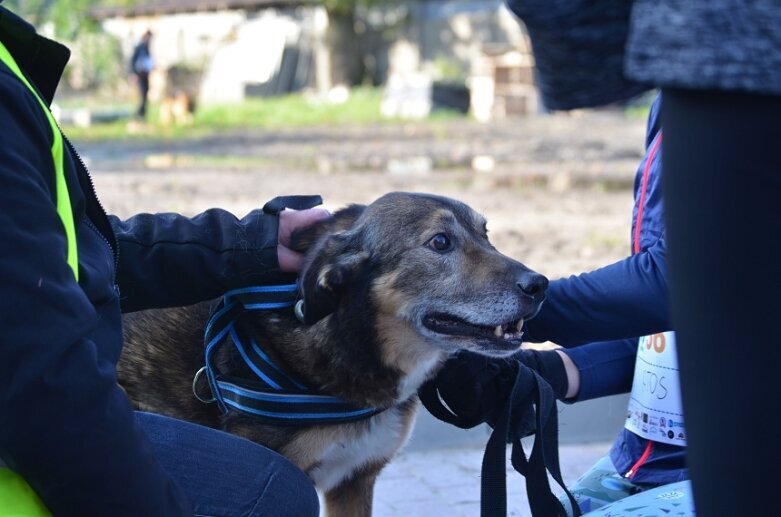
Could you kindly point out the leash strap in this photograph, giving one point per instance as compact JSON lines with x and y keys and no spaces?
{"x":531,"y":400}
{"x":272,"y":395}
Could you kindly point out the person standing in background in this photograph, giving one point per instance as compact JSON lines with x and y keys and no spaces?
{"x":141,"y":65}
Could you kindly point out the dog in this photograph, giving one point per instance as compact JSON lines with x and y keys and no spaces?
{"x":393,"y":288}
{"x":177,"y":109}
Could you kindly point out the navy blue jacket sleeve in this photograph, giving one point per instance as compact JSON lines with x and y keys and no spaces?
{"x":598,"y":316}
{"x":72,"y":437}
{"x":606,"y":368}
{"x":168,"y":260}
{"x":623,"y":300}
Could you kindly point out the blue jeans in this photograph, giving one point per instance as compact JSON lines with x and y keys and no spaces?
{"x":227,"y":476}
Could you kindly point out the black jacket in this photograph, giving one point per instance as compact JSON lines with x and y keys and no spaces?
{"x":65,"y":424}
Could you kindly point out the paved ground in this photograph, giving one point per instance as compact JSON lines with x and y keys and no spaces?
{"x":446,"y":482}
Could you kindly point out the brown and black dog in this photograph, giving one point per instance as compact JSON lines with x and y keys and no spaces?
{"x":398,"y":286}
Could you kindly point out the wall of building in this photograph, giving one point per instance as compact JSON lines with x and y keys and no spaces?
{"x":453,"y":34}
{"x":230,"y":50}
{"x":443,"y":40}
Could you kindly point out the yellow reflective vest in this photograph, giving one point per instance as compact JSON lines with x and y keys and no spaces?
{"x":16,"y":496}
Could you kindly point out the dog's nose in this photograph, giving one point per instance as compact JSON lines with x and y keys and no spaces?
{"x":533,"y":285}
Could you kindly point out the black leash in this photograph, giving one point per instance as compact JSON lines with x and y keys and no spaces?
{"x":531,"y":406}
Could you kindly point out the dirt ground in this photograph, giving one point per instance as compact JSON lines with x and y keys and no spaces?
{"x":556,"y":189}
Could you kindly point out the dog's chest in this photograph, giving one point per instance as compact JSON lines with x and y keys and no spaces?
{"x":383,"y":436}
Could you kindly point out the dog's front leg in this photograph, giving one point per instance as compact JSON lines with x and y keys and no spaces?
{"x":353,"y":497}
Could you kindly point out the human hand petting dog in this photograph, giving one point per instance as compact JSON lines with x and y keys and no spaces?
{"x":290,"y":221}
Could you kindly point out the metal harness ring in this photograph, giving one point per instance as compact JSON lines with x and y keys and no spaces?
{"x":195,"y":390}
{"x":299,"y":310}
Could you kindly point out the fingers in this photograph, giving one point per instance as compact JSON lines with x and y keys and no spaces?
{"x":289,"y":260}
{"x":291,"y":220}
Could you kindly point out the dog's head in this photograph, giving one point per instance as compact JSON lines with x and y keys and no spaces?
{"x":418,"y":264}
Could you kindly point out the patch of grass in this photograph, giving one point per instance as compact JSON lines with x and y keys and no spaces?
{"x":288,"y":111}
{"x":639,"y":112}
{"x":445,"y":115}
{"x":363,"y":106}
{"x":641,"y":106}
{"x":219,"y":162}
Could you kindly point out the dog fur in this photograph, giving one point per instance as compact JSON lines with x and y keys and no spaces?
{"x":396,"y":287}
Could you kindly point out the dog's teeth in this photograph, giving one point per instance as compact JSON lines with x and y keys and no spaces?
{"x":498,"y":331}
{"x":520,"y":325}
{"x":507,"y":336}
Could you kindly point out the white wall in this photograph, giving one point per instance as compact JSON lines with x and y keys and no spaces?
{"x":253,"y":55}
{"x":181,"y":38}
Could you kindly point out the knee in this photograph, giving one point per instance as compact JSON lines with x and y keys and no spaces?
{"x":289,"y":493}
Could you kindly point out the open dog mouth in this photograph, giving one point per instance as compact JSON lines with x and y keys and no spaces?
{"x":455,"y":326}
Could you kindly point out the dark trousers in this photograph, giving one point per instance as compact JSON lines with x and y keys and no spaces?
{"x":222,"y":474}
{"x":722,"y":189}
{"x":143,"y":90}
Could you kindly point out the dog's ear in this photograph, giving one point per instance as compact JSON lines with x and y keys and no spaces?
{"x":333,"y":259}
{"x":342,"y":220}
{"x":336,"y":263}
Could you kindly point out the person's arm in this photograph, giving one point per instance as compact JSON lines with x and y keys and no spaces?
{"x":66,"y":427}
{"x":572,"y":374}
{"x":623,"y":300}
{"x":598,"y":369}
{"x":579,"y":49}
{"x":168,"y":260}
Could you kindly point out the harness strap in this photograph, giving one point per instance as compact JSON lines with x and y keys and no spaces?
{"x":279,"y":203}
{"x":273,"y":396}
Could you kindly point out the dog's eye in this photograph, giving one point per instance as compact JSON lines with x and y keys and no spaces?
{"x":440,"y":242}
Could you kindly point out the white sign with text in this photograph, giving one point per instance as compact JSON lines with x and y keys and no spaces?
{"x":655,"y":411}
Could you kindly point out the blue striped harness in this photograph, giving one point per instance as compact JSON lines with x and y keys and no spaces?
{"x":272,"y":396}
